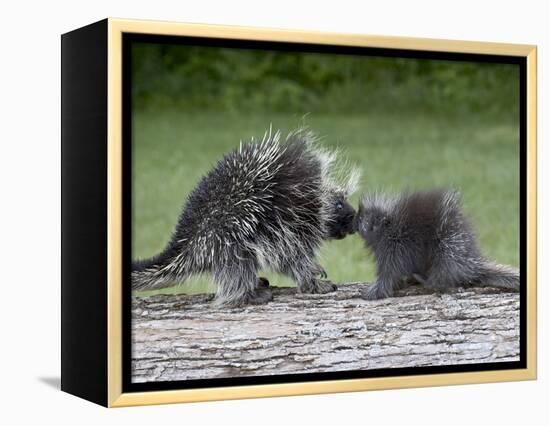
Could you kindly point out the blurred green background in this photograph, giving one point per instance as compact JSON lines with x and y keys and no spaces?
{"x":407,"y":123}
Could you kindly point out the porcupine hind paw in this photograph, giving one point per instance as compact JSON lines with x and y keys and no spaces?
{"x":261,"y":296}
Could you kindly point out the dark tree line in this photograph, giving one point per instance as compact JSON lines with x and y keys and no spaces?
{"x":207,"y":78}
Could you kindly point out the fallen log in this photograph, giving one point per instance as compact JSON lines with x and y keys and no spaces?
{"x":181,"y":337}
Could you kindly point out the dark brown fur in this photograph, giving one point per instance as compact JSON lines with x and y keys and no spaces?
{"x":424,"y":236}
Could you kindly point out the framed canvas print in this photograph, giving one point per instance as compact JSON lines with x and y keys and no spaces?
{"x":255,"y":212}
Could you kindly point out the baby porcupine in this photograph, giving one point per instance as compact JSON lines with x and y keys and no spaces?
{"x":424,"y":237}
{"x":268,"y":204}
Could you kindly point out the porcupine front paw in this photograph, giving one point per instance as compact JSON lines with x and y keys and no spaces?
{"x":319,"y":287}
{"x":372,"y":292}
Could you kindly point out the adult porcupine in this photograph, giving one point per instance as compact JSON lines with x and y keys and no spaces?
{"x":424,"y":236}
{"x":267,"y":204}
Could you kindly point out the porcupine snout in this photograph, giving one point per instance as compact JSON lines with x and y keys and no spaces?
{"x":343,"y":222}
{"x":349,"y":223}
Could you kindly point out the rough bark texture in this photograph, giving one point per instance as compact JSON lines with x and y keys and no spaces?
{"x":180,"y":337}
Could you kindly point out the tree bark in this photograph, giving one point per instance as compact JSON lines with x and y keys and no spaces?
{"x":182,"y":337}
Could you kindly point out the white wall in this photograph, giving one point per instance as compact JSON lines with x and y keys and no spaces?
{"x":30,"y":174}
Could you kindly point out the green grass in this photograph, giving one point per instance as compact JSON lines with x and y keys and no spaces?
{"x":172,"y":150}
